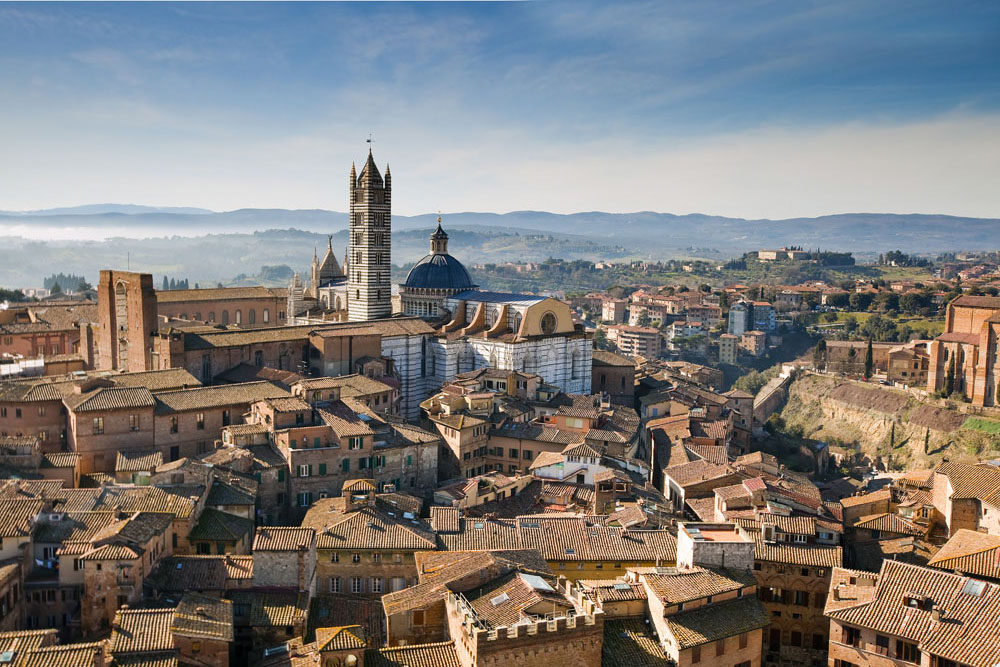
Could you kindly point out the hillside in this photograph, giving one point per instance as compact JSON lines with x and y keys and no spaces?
{"x":867,"y":417}
{"x":220,"y":257}
{"x":654,"y":233}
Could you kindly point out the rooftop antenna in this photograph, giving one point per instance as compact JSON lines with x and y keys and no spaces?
{"x":369,"y":142}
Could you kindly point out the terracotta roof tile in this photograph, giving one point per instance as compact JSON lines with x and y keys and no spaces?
{"x":110,"y":398}
{"x":142,"y":631}
{"x":340,"y":638}
{"x":716,"y":621}
{"x":441,"y":654}
{"x":216,"y":396}
{"x":201,"y":616}
{"x":268,"y":608}
{"x":676,"y":585}
{"x":970,"y":552}
{"x":65,"y":655}
{"x":888,"y":523}
{"x":629,"y":642}
{"x":274,"y":538}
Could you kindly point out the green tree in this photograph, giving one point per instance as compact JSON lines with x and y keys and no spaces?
{"x":83,"y":286}
{"x":859,"y":301}
{"x":869,"y":360}
{"x":166,"y":285}
{"x":644,"y":319}
{"x":751,"y":383}
{"x":56,"y":288}
{"x":600,"y":339}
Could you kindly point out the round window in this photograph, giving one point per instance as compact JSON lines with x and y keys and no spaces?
{"x":548,"y":323}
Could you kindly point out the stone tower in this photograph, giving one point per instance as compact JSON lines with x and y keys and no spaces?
{"x":369,"y":291}
{"x":126,"y":305}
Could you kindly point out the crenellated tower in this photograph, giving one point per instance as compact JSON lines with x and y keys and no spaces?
{"x":369,"y":263}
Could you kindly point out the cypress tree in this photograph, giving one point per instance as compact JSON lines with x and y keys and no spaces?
{"x":869,"y":361}
{"x":166,"y":285}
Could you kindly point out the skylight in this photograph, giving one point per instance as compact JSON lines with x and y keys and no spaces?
{"x":500,"y":599}
{"x":536,"y":582}
{"x":974,"y":588}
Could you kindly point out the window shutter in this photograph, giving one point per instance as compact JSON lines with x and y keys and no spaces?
{"x":310,"y":472}
{"x":322,"y":468}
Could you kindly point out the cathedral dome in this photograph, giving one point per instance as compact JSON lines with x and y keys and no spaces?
{"x":439,"y":271}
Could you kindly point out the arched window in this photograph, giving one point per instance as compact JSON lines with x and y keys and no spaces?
{"x":576,"y":365}
{"x":121,"y":317}
{"x":431,"y":362}
{"x":493,"y":359}
{"x":225,"y":317}
{"x":211,"y":316}
{"x":517,"y":322}
{"x":491,"y":317}
{"x":252,"y":316}
{"x":239,"y":316}
{"x":530,"y":363}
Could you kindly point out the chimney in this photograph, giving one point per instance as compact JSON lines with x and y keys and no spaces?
{"x":836,"y":593}
{"x":936,"y":613}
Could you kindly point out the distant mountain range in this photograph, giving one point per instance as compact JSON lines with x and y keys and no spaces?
{"x":123,"y":209}
{"x":211,"y":246}
{"x":646,"y":231}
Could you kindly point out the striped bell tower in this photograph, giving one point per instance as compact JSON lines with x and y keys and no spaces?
{"x":369,"y":291}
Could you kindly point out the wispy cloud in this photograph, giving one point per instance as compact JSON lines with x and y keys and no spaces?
{"x":755,"y":109}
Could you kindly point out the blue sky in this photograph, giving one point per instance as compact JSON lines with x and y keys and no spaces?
{"x":753,"y":109}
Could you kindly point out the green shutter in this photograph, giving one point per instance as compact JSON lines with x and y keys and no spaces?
{"x":316,"y":442}
{"x":281,"y":474}
{"x":345,"y":465}
{"x":409,"y":459}
{"x":310,"y":470}
{"x":322,"y":468}
{"x":293,"y":443}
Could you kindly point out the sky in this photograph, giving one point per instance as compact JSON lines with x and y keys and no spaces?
{"x":748,"y":109}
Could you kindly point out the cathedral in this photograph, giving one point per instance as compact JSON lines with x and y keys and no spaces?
{"x":462,"y":328}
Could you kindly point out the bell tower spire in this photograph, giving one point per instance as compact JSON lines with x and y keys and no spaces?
{"x":369,"y":293}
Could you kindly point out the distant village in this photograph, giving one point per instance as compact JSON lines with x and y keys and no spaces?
{"x":345,"y":471}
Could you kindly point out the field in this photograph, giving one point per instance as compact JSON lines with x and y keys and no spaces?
{"x":985,"y":425}
{"x":924,"y":327}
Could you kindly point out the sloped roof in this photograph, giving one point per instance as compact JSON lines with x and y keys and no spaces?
{"x":202,"y":616}
{"x":370,"y":528}
{"x":441,"y":654}
{"x":340,"y":638}
{"x":970,"y":552}
{"x":714,"y":622}
{"x":142,"y":630}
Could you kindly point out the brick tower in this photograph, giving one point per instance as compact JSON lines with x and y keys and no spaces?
{"x":369,"y":292}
